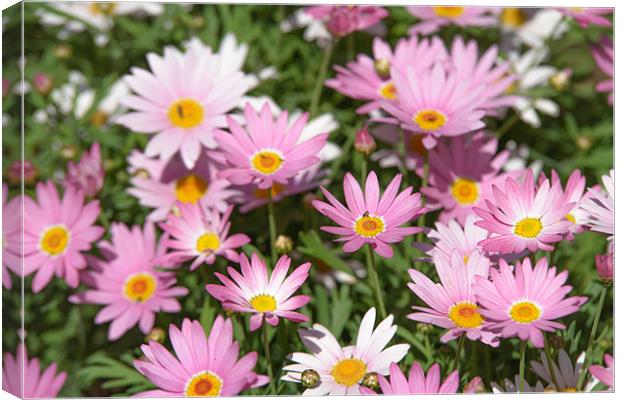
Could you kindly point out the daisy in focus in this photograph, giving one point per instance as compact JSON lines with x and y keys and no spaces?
{"x":599,"y":209}
{"x":603,"y":54}
{"x":434,"y":18}
{"x":525,"y":301}
{"x":417,"y":382}
{"x":604,"y":374}
{"x":203,"y":366}
{"x":370,"y":218}
{"x":266,"y":297}
{"x":341,"y":369}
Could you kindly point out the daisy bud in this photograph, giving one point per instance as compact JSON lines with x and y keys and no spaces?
{"x":63,"y":51}
{"x":15,"y":172}
{"x":68,"y":151}
{"x":476,"y":385}
{"x":605,"y":267}
{"x":424,"y":328}
{"x":583,"y":142}
{"x":156,"y":334}
{"x":43,"y":83}
{"x":284,"y":244}
{"x":364,"y":142}
{"x":382,"y":68}
{"x":142,"y":173}
{"x":560,"y":79}
{"x":310,"y":379}
{"x":371,"y":381}
{"x":604,"y":344}
{"x":198,"y":21}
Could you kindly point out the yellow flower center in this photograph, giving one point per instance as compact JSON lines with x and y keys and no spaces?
{"x":267,"y":162}
{"x":186,"y":113}
{"x":465,"y":315}
{"x":569,"y":390}
{"x":204,"y":384}
{"x":430,"y":120}
{"x":513,"y":17}
{"x":208,"y":242}
{"x":524,"y":312}
{"x":576,"y":9}
{"x":348,"y":372}
{"x":264,"y":303}
{"x":571,"y":218}
{"x":99,"y":118}
{"x":276,"y":189}
{"x":55,"y":240}
{"x":388,"y":91}
{"x":465,"y":191}
{"x":190,"y":188}
{"x":449,"y":12}
{"x":140,"y":287}
{"x":102,"y":8}
{"x":528,"y":227}
{"x":369,"y":226}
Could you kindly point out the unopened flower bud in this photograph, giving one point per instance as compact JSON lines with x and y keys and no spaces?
{"x":284,"y":244}
{"x":424,"y":328}
{"x":604,"y":344}
{"x":476,"y":385}
{"x":69,"y":151}
{"x":583,"y":142}
{"x":198,"y":21}
{"x":42,"y":83}
{"x":364,"y":142}
{"x":382,"y":68}
{"x":371,"y":381}
{"x":605,"y":267}
{"x":560,"y":79}
{"x":310,"y":379}
{"x":156,"y":334}
{"x":15,"y":172}
{"x":63,"y":51}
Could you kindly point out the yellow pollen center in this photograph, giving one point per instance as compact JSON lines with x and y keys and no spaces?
{"x":465,"y":315}
{"x":55,"y":240}
{"x":465,"y":191}
{"x":276,"y":189}
{"x":186,"y":113}
{"x":513,"y":17}
{"x":264,"y":303}
{"x":99,"y":118}
{"x":449,"y":12}
{"x":208,"y":242}
{"x":528,"y":227}
{"x":569,"y":390}
{"x":204,"y":384}
{"x":348,"y":372}
{"x":571,"y":218}
{"x":576,"y":9}
{"x":388,"y":91}
{"x":465,"y":259}
{"x":524,"y":312}
{"x":139,"y":287}
{"x":190,"y":188}
{"x":429,"y":120}
{"x":102,"y":8}
{"x":369,"y":226}
{"x":267,"y":162}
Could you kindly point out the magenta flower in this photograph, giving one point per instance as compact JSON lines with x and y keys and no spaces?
{"x":605,"y":266}
{"x":11,"y":236}
{"x":462,"y":172}
{"x":343,"y":20}
{"x":417,"y":383}
{"x":523,"y":216}
{"x":42,"y":83}
{"x":203,"y":366}
{"x":20,"y":370}
{"x":29,"y":170}
{"x":56,"y":234}
{"x":129,"y":283}
{"x":586,"y":16}
{"x":433,"y":18}
{"x":604,"y":374}
{"x":201,"y":234}
{"x":436,"y":102}
{"x":266,"y":151}
{"x":369,"y":218}
{"x":88,"y":173}
{"x":527,"y":301}
{"x":265,"y":297}
{"x":604,"y":56}
{"x":451,"y":237}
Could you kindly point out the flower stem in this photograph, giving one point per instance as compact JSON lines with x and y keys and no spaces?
{"x":272,"y":387}
{"x":422,"y":218}
{"x":522,"y":366}
{"x":459,"y":348}
{"x":508,"y":123}
{"x":272,"y":228}
{"x":364,"y":169}
{"x":318,"y":86}
{"x":374,"y":281}
{"x":597,"y":316}
{"x":550,"y":362}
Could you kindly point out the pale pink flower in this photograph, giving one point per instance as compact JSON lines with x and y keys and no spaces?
{"x":604,"y":374}
{"x":88,"y":173}
{"x":343,"y":20}
{"x":603,"y":54}
{"x":586,"y":16}
{"x":599,"y":209}
{"x":11,"y":236}
{"x":417,"y":382}
{"x":434,"y":18}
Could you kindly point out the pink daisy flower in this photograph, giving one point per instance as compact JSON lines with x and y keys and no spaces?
{"x":159,"y":184}
{"x":527,"y":301}
{"x":452,"y":302}
{"x":128,"y":283}
{"x":369,"y":217}
{"x":56,"y":234}
{"x":451,"y":237}
{"x":342,"y":368}
{"x":604,"y":374}
{"x":11,"y":236}
{"x":201,"y":234}
{"x":343,"y":20}
{"x":182,"y":99}
{"x":586,"y":16}
{"x":368,"y":79}
{"x":88,"y":173}
{"x":36,"y":383}
{"x":266,"y":151}
{"x":604,"y":56}
{"x":523,"y":216}
{"x":265,"y":297}
{"x":599,"y":208}
{"x":203,"y":366}
{"x":433,"y":18}
{"x":436,"y":102}
{"x":462,"y":172}
{"x":417,"y":383}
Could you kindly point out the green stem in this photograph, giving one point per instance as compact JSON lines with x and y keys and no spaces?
{"x":522,"y":366}
{"x":374,"y":281}
{"x":318,"y":86}
{"x":597,"y":316}
{"x":364,"y":169}
{"x":272,"y":228}
{"x":422,"y":218}
{"x":550,"y":362}
{"x":459,"y":348}
{"x":272,"y":387}
{"x":508,"y":123}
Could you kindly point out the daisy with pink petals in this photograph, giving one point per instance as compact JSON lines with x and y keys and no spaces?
{"x":160,"y":184}
{"x":203,"y":366}
{"x":128,"y":281}
{"x":436,"y":102}
{"x":267,"y":150}
{"x":20,"y":373}
{"x":266,"y":297}
{"x":604,"y":374}
{"x":343,"y":20}
{"x":200,"y":234}
{"x":57,"y":231}
{"x":417,"y":383}
{"x":451,"y":237}
{"x":523,"y":216}
{"x":452,"y":304}
{"x":604,"y":56}
{"x":586,"y":16}
{"x":88,"y":173}
{"x":370,"y":218}
{"x":599,"y":209}
{"x":524,"y":301}
{"x":11,"y":236}
{"x":434,"y":18}
{"x":462,"y":172}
